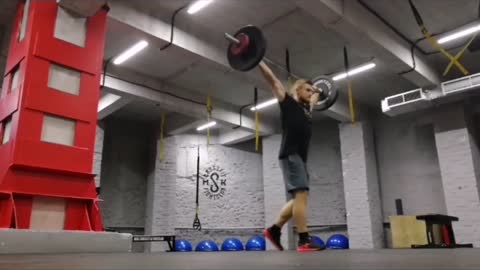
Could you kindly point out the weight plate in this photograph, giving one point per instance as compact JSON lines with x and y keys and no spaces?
{"x":253,"y":54}
{"x":329,"y":94}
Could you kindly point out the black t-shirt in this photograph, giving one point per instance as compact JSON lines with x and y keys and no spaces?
{"x":297,"y":128}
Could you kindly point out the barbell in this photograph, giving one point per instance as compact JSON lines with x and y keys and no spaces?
{"x":247,"y":49}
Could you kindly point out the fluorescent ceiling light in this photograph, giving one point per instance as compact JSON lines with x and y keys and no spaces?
{"x":354,"y":71}
{"x":200,"y":4}
{"x":210,"y":124}
{"x":460,"y":34}
{"x":130,"y":52}
{"x":336,"y":78}
{"x":264,"y":104}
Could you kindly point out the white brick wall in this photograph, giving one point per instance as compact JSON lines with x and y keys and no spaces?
{"x":171,"y":192}
{"x":327,"y":199}
{"x":364,"y":216}
{"x":241,"y":206}
{"x":161,"y":200}
{"x":457,"y":163}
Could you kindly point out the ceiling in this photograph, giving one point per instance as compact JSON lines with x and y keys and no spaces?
{"x":439,"y":16}
{"x":315,"y":49}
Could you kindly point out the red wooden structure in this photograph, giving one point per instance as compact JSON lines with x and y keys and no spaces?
{"x":29,"y":166}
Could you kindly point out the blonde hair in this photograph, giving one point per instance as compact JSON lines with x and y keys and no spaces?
{"x":293,"y":87}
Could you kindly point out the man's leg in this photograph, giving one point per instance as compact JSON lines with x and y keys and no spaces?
{"x":285,"y":214}
{"x":300,"y":208}
{"x":274,"y":232}
{"x":299,"y":212}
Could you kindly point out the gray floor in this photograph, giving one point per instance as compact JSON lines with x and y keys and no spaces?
{"x":352,"y":259}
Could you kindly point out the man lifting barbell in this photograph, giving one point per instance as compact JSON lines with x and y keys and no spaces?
{"x":245,"y":52}
{"x":296,"y":116}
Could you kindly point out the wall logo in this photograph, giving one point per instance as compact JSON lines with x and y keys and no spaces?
{"x":214,"y":182}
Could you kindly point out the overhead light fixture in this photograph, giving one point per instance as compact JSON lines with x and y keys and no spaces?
{"x":198,"y":5}
{"x":130,"y":52}
{"x":354,"y":71}
{"x":208,"y":125}
{"x":264,"y":104}
{"x":459,"y":34}
{"x":336,"y":78}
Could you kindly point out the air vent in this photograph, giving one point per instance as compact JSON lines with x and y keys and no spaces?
{"x":395,"y":100}
{"x":451,"y":91}
{"x":462,"y":84}
{"x":404,"y":102}
{"x":412,"y":96}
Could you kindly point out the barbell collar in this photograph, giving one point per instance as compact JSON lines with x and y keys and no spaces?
{"x":232,"y":38}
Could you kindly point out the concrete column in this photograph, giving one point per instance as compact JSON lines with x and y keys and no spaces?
{"x":274,"y":188}
{"x":160,"y":201}
{"x":362,"y":196}
{"x":458,"y":157}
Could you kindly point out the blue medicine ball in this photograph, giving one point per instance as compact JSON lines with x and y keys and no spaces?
{"x":206,"y":246}
{"x":317,"y":240}
{"x":337,"y":241}
{"x":255,"y":243}
{"x":232,"y":244}
{"x":183,"y":246}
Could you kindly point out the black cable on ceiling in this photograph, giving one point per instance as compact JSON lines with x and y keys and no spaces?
{"x":389,"y":25}
{"x":287,"y":63}
{"x":105,"y":66}
{"x":172,"y":23}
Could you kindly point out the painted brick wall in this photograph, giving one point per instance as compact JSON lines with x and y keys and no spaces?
{"x":408,"y":164}
{"x":239,"y":205}
{"x":364,"y":216}
{"x":457,"y":156}
{"x":327,"y":200}
{"x":161,"y":198}
{"x":235,"y":211}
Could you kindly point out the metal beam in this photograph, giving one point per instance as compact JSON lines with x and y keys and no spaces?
{"x":361,"y":28}
{"x":111,"y":103}
{"x":185,"y":128}
{"x":222,"y":113}
{"x":235,"y":136}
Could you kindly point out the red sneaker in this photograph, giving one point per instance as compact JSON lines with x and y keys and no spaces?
{"x":309,"y":246}
{"x":274,"y":238}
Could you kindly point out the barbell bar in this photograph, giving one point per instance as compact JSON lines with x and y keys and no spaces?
{"x":247,"y":49}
